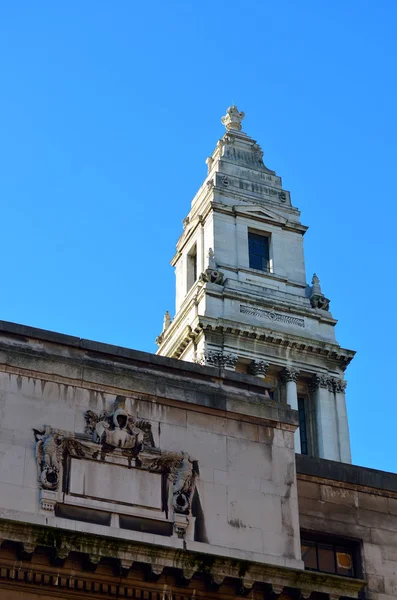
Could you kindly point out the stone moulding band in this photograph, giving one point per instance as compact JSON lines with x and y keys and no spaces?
{"x":270,"y":315}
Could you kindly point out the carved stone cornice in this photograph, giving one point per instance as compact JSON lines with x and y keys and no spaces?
{"x":259,"y":368}
{"x":289,"y":374}
{"x":45,"y":576}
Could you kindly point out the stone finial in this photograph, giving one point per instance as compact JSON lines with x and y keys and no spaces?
{"x":233,"y":118}
{"x":166,"y":320}
{"x":317,"y":298}
{"x":316,"y":288}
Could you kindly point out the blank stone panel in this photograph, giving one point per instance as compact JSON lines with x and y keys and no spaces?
{"x":114,"y":483}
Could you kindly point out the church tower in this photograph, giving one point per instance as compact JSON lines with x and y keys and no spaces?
{"x":242,"y":298}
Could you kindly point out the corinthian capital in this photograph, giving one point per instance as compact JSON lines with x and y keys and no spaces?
{"x":219,"y":359}
{"x":339,"y":385}
{"x":321,"y":380}
{"x":289,"y":374}
{"x":259,"y":367}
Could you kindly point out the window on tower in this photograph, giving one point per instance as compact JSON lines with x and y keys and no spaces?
{"x":258,"y":249}
{"x":191,"y":267}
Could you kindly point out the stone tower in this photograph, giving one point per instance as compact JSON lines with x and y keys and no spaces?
{"x":242,"y":299}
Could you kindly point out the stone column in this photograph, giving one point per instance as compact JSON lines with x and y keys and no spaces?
{"x":343,"y":426}
{"x":289,"y":377}
{"x":327,"y":429}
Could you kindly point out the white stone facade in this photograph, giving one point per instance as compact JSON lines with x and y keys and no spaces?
{"x":233,"y":316}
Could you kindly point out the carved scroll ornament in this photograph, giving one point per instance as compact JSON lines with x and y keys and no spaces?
{"x":51,"y":446}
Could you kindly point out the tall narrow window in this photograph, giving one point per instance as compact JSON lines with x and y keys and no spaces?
{"x":258,"y":249}
{"x":191,"y":267}
{"x":302,"y":425}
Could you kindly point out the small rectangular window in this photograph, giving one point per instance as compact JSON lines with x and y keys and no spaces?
{"x":321,"y":554}
{"x":258,"y":249}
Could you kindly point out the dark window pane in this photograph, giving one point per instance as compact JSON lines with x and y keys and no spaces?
{"x":326,"y":558}
{"x":309,"y":555}
{"x":258,"y":249}
{"x":344,"y":562}
{"x":302,"y":425}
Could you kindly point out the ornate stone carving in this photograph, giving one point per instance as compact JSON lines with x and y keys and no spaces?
{"x":51,"y":445}
{"x":320,"y":380}
{"x":211,"y":274}
{"x":271,"y":315}
{"x":118,"y":429}
{"x":233,"y":118}
{"x":182,"y":472}
{"x":259,"y":368}
{"x":339,"y":385}
{"x":221,"y":360}
{"x":317,"y":298}
{"x":127,"y":437}
{"x":289,"y":374}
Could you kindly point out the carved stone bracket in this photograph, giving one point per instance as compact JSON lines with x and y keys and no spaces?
{"x":259,"y":368}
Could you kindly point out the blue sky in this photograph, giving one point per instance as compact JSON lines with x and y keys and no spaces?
{"x":107,"y":113}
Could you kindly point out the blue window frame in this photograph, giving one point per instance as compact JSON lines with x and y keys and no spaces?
{"x":258,"y":249}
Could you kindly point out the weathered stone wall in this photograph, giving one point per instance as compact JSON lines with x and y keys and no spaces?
{"x":243,"y":445}
{"x":345,"y":500}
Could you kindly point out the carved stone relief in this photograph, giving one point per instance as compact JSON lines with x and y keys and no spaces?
{"x":122,"y":436}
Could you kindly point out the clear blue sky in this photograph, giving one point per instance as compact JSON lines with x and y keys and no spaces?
{"x":108,"y":111}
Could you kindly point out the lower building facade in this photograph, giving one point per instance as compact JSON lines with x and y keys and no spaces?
{"x":129,"y":475}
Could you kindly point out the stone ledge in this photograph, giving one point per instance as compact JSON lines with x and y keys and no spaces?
{"x":345,"y":473}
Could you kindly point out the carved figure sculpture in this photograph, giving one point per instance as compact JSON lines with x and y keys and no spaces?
{"x":118,"y":429}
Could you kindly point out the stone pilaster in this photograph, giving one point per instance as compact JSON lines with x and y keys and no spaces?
{"x":289,"y":377}
{"x":339,"y":386}
{"x":327,"y":427}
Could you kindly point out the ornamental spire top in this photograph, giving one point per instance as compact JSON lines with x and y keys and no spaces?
{"x":233,"y":118}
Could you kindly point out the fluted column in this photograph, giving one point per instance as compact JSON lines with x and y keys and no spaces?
{"x":327,"y":428}
{"x":289,"y":376}
{"x":343,"y":426}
